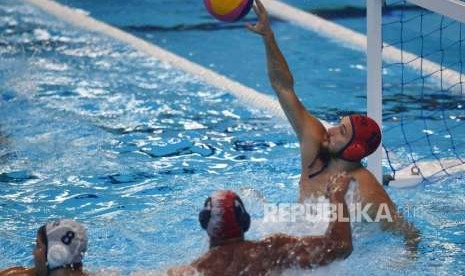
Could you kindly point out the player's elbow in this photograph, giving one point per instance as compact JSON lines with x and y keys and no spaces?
{"x":282,"y":92}
{"x":346,"y":249}
{"x":284,"y":85}
{"x":343,"y":249}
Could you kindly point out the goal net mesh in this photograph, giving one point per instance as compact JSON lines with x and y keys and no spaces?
{"x":423,"y":92}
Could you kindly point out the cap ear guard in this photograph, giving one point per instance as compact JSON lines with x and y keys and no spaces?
{"x":205,"y":214}
{"x":366,"y":137}
{"x":243,"y":218}
{"x":354,"y":152}
{"x":57,"y":255}
{"x":66,"y":243}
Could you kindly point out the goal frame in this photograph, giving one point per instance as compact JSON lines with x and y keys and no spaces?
{"x":454,"y":9}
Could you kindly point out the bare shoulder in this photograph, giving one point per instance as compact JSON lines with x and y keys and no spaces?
{"x":278,"y":239}
{"x":365,"y":178}
{"x":311,"y":140}
{"x":18,"y":271}
{"x":185,"y":270}
{"x":307,"y":251}
{"x":282,"y":243}
{"x":314,"y":127}
{"x":369,"y":188}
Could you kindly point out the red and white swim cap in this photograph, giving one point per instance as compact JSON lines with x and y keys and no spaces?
{"x":224,"y":216}
{"x":366,"y":137}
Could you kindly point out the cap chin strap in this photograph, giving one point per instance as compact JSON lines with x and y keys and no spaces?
{"x":57,"y":254}
{"x":75,"y":266}
{"x":60,"y":253}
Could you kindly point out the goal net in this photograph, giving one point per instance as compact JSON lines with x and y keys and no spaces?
{"x":423,"y":90}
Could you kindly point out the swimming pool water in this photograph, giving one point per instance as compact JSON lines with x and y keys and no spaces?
{"x":92,"y":129}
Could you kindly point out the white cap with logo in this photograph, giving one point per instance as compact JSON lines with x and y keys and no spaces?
{"x":66,"y":243}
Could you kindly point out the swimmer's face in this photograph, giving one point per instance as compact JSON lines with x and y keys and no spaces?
{"x":338,"y":136}
{"x":40,"y":259}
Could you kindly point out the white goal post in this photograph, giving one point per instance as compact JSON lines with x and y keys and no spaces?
{"x":374,"y":78}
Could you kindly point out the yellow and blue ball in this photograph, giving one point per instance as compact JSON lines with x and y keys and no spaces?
{"x":228,"y":10}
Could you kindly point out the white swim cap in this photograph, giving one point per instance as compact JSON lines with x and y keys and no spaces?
{"x":66,"y":243}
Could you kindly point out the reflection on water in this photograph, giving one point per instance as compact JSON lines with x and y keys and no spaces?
{"x":5,"y":153}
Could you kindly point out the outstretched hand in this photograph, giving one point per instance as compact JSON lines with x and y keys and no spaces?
{"x":339,"y":184}
{"x":262,"y":26}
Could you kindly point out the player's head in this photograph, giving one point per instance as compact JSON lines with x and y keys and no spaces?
{"x":59,"y":244}
{"x":356,"y":137}
{"x":224,"y":217}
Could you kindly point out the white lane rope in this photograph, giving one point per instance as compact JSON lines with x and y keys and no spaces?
{"x":243,"y":93}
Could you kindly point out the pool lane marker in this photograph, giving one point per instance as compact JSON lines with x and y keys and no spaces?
{"x":244,"y":94}
{"x":357,"y":41}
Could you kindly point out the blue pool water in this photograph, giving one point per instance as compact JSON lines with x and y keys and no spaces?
{"x":94,"y":130}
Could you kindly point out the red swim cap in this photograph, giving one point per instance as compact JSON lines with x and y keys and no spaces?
{"x":366,"y":137}
{"x":224,"y":216}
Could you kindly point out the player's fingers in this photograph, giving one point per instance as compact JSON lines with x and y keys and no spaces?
{"x":250,"y":27}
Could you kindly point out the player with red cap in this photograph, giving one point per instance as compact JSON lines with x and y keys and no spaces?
{"x":225,"y":219}
{"x":366,"y":137}
{"x":325,"y":152}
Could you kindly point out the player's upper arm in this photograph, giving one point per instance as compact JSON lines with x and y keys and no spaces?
{"x":309,"y":130}
{"x":18,"y":271}
{"x":185,"y":270}
{"x":371,"y":191}
{"x":305,"y":125}
{"x":384,"y":210}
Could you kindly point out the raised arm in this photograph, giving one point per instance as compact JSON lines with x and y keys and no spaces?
{"x":304,"y":124}
{"x":339,"y":232}
{"x":311,"y":251}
